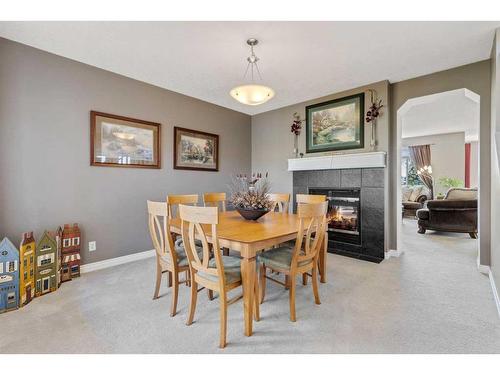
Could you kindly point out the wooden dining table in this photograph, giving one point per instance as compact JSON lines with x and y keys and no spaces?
{"x":250,"y":237}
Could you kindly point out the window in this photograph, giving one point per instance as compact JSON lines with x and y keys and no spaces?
{"x":31,"y":259}
{"x":45,"y":259}
{"x":46,"y":248}
{"x":76,"y":241}
{"x":12,"y":266}
{"x":25,"y":276}
{"x":67,"y":242}
{"x":409,"y":174}
{"x":31,"y":272}
{"x":25,"y":262}
{"x":1,"y":267}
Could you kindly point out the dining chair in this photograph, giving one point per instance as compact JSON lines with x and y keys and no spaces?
{"x":302,"y":258}
{"x":220,"y":273}
{"x":309,"y":198}
{"x":173,"y":202}
{"x":169,"y":257}
{"x":216,"y":200}
{"x":281,"y":200}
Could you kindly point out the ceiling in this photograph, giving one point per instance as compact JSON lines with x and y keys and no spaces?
{"x":299,"y":60}
{"x":448,"y":112}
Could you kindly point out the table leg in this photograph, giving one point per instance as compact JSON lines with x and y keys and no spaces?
{"x":322,"y":260}
{"x":248,"y":279}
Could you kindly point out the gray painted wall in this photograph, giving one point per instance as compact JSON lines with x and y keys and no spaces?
{"x":447,"y":155}
{"x":44,"y":150}
{"x":477,"y":78}
{"x":272,"y":141}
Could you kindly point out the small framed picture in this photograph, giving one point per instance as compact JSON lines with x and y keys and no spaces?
{"x":117,"y":141}
{"x":336,"y":125}
{"x":195,"y":150}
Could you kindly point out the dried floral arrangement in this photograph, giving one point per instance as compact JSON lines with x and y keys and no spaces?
{"x":250,"y":192}
{"x":296,"y":127}
{"x":374,"y":111}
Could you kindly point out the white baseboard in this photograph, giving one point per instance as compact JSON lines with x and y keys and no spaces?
{"x":482,"y":268}
{"x":116,"y":261}
{"x":495,"y":291}
{"x":393,"y":253}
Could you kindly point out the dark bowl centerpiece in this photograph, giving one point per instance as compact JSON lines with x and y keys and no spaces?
{"x":249,"y":196}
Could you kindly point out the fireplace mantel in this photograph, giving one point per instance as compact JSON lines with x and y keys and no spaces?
{"x":341,"y":161}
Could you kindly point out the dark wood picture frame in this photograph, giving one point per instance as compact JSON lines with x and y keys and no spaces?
{"x":156,"y":127}
{"x":332,"y":103}
{"x":177,"y":133}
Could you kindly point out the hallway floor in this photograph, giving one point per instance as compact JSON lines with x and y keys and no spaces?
{"x":431,"y":299}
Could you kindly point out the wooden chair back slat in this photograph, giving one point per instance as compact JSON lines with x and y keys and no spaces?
{"x":158,"y":223}
{"x":310,"y":198}
{"x":313,"y":222}
{"x":281,"y":200}
{"x":174,"y":201}
{"x":195,"y":223}
{"x":215,"y":200}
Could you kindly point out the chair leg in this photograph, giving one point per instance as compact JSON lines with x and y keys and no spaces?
{"x":175,"y":293}
{"x":256,"y":300}
{"x":225,"y":251}
{"x":188,"y":278}
{"x":210,"y":294}
{"x":315,"y":284}
{"x":158,"y":281}
{"x":287,"y":282}
{"x":262,"y":276}
{"x":292,"y":299}
{"x":223,"y":318}
{"x":192,"y":303}
{"x":304,"y":278}
{"x":169,"y":284}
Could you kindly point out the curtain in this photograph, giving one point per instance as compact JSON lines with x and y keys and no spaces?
{"x":467,"y":165}
{"x":421,"y":156}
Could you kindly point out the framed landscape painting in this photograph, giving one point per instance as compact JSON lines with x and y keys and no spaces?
{"x":196,"y":150}
{"x":117,"y":141}
{"x":335,"y":125}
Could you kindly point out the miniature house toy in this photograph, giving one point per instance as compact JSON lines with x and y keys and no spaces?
{"x":46,"y":265}
{"x":9,"y":276}
{"x":71,"y":239}
{"x":57,"y":235}
{"x":27,"y":269}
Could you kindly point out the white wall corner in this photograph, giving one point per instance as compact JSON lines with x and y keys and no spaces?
{"x":85,"y":268}
{"x":482,"y":268}
{"x":393,"y":254}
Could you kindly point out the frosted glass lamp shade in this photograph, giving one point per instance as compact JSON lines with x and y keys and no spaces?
{"x":252,"y":94}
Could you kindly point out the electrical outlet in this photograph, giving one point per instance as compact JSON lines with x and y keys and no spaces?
{"x":92,"y":246}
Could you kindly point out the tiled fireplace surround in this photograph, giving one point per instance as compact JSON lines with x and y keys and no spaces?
{"x":370,"y":181}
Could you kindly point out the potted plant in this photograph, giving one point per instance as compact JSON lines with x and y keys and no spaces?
{"x":249,"y":196}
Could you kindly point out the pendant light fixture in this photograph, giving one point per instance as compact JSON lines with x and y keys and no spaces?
{"x":252,"y":94}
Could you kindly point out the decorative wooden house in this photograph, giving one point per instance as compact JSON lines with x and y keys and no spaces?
{"x":9,"y":276}
{"x":71,"y":239}
{"x":57,"y":235}
{"x":46,"y":265}
{"x":27,"y":269}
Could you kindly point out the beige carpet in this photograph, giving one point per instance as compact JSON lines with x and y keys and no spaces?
{"x":430,"y":300}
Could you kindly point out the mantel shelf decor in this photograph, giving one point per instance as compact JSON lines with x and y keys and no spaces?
{"x":296,"y":129}
{"x":371,"y":117}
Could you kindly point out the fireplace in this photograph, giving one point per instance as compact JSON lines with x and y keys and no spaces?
{"x":355,"y":208}
{"x":344,"y":213}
